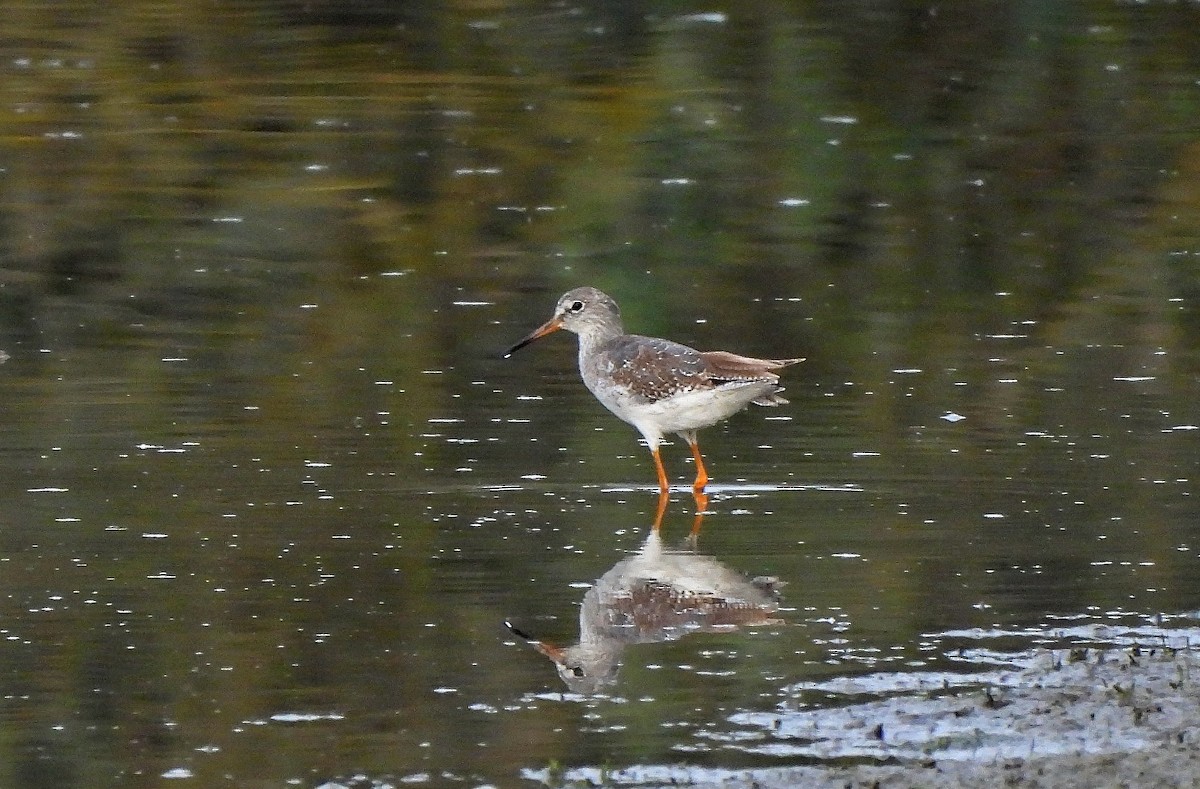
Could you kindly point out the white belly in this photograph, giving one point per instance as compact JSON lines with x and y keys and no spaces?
{"x":686,"y":411}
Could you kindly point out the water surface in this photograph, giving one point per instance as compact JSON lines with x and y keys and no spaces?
{"x":271,"y":492}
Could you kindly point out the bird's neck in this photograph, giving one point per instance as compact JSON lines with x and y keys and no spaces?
{"x":597,"y":336}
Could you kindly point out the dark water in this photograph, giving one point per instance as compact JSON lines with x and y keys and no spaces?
{"x":270,"y":492}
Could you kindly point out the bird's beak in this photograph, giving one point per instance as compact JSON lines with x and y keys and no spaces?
{"x":549,"y":650}
{"x":552,"y":325}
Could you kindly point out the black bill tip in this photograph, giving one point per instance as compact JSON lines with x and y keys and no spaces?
{"x":516,"y":631}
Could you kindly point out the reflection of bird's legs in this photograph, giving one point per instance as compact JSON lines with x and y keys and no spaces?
{"x":663,"y":498}
{"x":694,"y":535}
{"x":701,"y":499}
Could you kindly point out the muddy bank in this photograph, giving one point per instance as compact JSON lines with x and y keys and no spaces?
{"x":1068,"y":718}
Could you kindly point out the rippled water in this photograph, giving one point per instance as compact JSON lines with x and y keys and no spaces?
{"x":271,"y":492}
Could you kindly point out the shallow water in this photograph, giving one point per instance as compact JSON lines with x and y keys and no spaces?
{"x":272,"y":492}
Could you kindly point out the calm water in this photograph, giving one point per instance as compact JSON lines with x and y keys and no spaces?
{"x":271,"y":492}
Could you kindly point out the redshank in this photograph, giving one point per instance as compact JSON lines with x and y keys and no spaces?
{"x":659,"y":386}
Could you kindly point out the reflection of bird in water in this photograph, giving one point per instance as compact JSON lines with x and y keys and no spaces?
{"x":657,"y":594}
{"x":658,"y":386}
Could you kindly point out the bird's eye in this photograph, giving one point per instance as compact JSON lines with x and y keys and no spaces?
{"x":576,"y":306}
{"x":577,"y":670}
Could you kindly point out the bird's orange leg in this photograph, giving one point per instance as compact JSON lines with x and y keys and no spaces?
{"x":698,"y":486}
{"x":701,"y":472}
{"x":663,"y":487}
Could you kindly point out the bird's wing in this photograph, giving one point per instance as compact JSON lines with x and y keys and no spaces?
{"x":722,"y":367}
{"x":652,"y":369}
{"x":725,"y":366}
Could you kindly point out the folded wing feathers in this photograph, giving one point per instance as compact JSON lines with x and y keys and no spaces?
{"x":731,"y":367}
{"x":725,"y":367}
